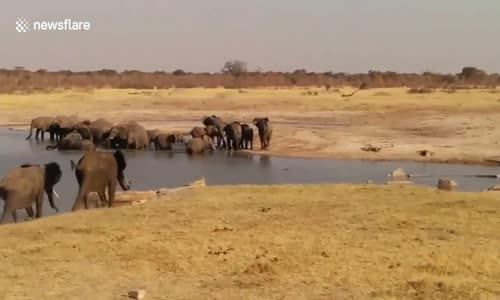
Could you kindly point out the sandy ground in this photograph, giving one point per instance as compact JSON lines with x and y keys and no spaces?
{"x":279,"y":242}
{"x":457,"y":127}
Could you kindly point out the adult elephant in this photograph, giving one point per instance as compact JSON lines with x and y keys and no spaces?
{"x":95,"y":131}
{"x":95,"y":172}
{"x":129,"y":135}
{"x":164,"y":141}
{"x":265,"y":131}
{"x":41,"y":125}
{"x":26,"y":184}
{"x":199,"y":145}
{"x":246,"y":136}
{"x":73,"y":141}
{"x":218,"y":123}
{"x":62,"y":125}
{"x":233,"y":135}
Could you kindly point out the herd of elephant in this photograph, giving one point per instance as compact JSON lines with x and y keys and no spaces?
{"x":97,"y":171}
{"x":70,"y":133}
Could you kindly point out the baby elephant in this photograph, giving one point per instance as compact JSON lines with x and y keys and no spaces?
{"x":26,"y":184}
{"x":199,"y":145}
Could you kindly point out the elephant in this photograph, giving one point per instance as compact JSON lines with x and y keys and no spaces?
{"x":246,"y":136}
{"x":164,"y":141}
{"x":95,"y":172}
{"x":265,"y":131}
{"x":129,"y":135}
{"x":62,"y":125}
{"x":233,"y":135}
{"x":218,"y":123}
{"x":25,"y":184}
{"x":95,"y":131}
{"x":42,"y":125}
{"x":152,"y":134}
{"x":73,"y":141}
{"x":199,"y":145}
{"x":209,"y":130}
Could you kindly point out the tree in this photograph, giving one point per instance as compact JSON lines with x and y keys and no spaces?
{"x":236,"y":68}
{"x":179,"y":72}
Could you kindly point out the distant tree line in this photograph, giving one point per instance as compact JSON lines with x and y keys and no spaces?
{"x":234,"y":74}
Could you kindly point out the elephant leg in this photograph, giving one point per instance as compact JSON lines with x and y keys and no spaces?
{"x":39,"y":205}
{"x":79,"y":198}
{"x":4,"y":215}
{"x":14,"y":216}
{"x":37,"y":132}
{"x":251,"y":144}
{"x":102,"y":196}
{"x":29,"y":211}
{"x":86,"y":201}
{"x":43,"y":133}
{"x":51,"y":134}
{"x":111,"y":192}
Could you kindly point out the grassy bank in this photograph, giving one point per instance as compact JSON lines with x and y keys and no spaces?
{"x":279,"y":242}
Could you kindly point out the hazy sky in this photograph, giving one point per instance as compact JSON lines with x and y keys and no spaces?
{"x":281,"y":35}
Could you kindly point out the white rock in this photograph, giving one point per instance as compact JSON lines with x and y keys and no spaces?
{"x":137,"y":294}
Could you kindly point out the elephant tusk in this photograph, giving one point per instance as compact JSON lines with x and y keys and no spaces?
{"x":54,"y":191}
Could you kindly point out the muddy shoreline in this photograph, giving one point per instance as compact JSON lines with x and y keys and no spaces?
{"x":361,"y":156}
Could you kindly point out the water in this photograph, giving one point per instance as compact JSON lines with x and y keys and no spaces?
{"x":158,"y":169}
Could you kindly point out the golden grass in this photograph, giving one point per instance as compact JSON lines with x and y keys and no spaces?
{"x":266,"y":242}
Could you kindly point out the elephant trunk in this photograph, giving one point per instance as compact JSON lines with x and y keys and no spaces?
{"x":31,"y":132}
{"x":124,"y":183}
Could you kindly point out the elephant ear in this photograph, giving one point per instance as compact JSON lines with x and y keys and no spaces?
{"x":53,"y":174}
{"x":84,"y":123}
{"x":266,"y":119}
{"x":120,"y":160}
{"x":255,"y":121}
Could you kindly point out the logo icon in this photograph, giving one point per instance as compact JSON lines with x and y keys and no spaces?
{"x":22,"y":25}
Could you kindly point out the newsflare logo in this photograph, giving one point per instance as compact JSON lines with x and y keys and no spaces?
{"x":23,"y":25}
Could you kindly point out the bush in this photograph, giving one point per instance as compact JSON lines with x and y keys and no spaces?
{"x":419,"y":91}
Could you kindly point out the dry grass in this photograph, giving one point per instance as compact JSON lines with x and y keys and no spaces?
{"x":279,"y":242}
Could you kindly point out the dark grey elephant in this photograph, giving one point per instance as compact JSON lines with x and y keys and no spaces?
{"x":62,"y":125}
{"x":96,"y":131}
{"x":129,"y":135}
{"x":26,"y":184}
{"x":41,"y":125}
{"x":233,"y":135}
{"x":73,"y":141}
{"x":95,"y":172}
{"x":199,"y":145}
{"x":164,"y":141}
{"x":246,"y":137}
{"x":218,"y":123}
{"x":265,"y":131}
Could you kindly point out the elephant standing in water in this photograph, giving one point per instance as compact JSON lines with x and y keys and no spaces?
{"x":246,"y":136}
{"x":73,"y":141}
{"x":218,"y":123}
{"x":95,"y":172}
{"x":96,"y":131}
{"x":62,"y":125}
{"x":265,"y":131}
{"x":164,"y":141}
{"x":199,"y":145}
{"x":26,"y":184}
{"x":129,"y":135}
{"x":41,"y":125}
{"x":233,"y":135}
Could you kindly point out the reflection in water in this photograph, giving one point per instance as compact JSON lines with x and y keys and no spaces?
{"x":157,"y":169}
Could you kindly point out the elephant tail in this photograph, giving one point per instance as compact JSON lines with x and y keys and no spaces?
{"x":73,"y":165}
